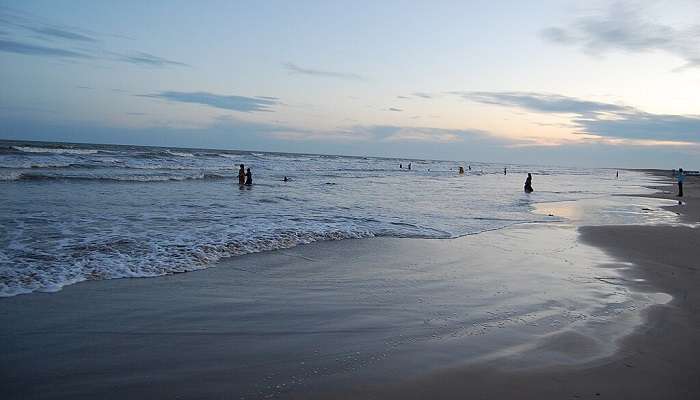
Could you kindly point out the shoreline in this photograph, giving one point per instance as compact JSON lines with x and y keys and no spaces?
{"x":657,"y":360}
{"x":125,"y":341}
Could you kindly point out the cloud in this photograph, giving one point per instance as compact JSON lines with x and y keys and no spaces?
{"x":150,"y":60}
{"x":11,"y":46}
{"x":234,"y":103}
{"x":542,"y":102}
{"x":645,"y":126}
{"x":295,"y":69}
{"x":28,"y":35}
{"x":623,"y":28}
{"x":61,"y":33}
{"x":601,"y":119}
{"x":422,"y":95}
{"x":428,"y":135}
{"x":419,"y":95}
{"x":379,"y":134}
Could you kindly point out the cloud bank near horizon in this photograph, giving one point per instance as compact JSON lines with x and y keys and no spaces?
{"x":599,"y":118}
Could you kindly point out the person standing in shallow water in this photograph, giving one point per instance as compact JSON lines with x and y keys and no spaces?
{"x":241,"y":175}
{"x":528,"y":184}
{"x":680,"y":178}
{"x":248,"y":177}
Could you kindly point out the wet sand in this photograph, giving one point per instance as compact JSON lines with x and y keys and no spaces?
{"x":381,"y":318}
{"x":658,"y":361}
{"x":327,"y":317}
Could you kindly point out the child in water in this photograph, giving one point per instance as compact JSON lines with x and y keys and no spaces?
{"x":528,"y":184}
{"x":248,"y":177}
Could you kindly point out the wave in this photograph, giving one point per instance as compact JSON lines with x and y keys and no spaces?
{"x":51,"y":150}
{"x":125,"y":258}
{"x":179,"y":154}
{"x":30,"y":176}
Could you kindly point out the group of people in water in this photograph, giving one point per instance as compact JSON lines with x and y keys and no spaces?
{"x":245,"y":177}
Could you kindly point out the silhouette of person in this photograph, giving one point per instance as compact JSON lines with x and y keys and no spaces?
{"x":680,"y":178}
{"x":470,"y":167}
{"x":505,"y":171}
{"x":248,"y":177}
{"x":241,"y":175}
{"x":528,"y":184}
{"x":409,"y":166}
{"x":401,"y":166}
{"x":285,"y":179}
{"x":461,"y":170}
{"x":617,"y":174}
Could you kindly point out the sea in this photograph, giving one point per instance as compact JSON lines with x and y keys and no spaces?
{"x":77,"y":212}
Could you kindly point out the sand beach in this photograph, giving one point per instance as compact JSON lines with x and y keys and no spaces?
{"x":530,"y":311}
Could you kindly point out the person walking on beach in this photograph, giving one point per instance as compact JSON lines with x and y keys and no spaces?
{"x":241,"y":175}
{"x":528,"y":184}
{"x":680,"y":178}
{"x":248,"y":177}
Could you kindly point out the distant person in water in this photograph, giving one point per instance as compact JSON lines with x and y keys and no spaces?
{"x":461,"y":170}
{"x":285,"y":179}
{"x":617,"y":174}
{"x":409,"y":166}
{"x":469,"y":167}
{"x":680,"y":178}
{"x":248,"y":177}
{"x":528,"y":184}
{"x":401,"y":166}
{"x":505,"y":171}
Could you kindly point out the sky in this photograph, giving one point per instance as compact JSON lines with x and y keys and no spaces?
{"x":596,"y":83}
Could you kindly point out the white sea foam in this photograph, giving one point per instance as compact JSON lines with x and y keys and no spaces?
{"x":31,"y":149}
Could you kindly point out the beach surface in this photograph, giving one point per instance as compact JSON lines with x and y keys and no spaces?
{"x":657,"y":361}
{"x":529,"y":311}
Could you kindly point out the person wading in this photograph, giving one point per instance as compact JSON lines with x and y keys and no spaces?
{"x":241,"y":175}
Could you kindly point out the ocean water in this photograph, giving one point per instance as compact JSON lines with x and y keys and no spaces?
{"x":70,"y":213}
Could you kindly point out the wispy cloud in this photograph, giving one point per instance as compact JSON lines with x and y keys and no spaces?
{"x":542,"y":102}
{"x":150,"y":60}
{"x":422,"y":95}
{"x":61,"y":33}
{"x":295,"y":69}
{"x":11,"y":46}
{"x":600,"y":119}
{"x":624,"y":28}
{"x":29,"y":35}
{"x":387,"y":134}
{"x":428,"y":135}
{"x":233,"y":103}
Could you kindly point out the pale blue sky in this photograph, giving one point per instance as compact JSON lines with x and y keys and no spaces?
{"x":561,"y":82}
